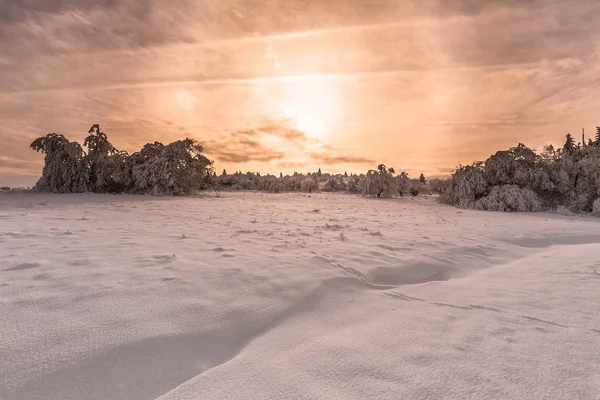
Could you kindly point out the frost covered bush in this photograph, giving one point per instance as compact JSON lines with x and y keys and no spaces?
{"x":380,"y":182}
{"x":564,"y":211}
{"x":275,"y":188}
{"x":354,"y":184}
{"x":509,"y":198}
{"x":402,"y":183}
{"x":177,"y":168}
{"x":437,"y":186}
{"x":309,"y":185}
{"x":334,"y":184}
{"x":65,"y":167}
{"x":563,"y":179}
{"x":466,"y":186}
{"x":514,"y":166}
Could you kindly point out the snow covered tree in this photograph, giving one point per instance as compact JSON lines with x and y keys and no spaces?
{"x":309,"y":185}
{"x":569,"y":145}
{"x":334,"y":184}
{"x":354,"y":184}
{"x":65,"y":169}
{"x":403,"y":183}
{"x":466,"y":186}
{"x":177,"y":168}
{"x":509,"y":198}
{"x":380,"y":182}
{"x":98,"y":158}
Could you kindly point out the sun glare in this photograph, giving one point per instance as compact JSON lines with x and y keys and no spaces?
{"x":313,"y":106}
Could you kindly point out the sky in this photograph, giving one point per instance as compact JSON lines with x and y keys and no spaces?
{"x":296,"y":85}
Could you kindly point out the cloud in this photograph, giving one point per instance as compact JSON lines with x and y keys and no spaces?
{"x":284,"y":129}
{"x":234,"y":150}
{"x":242,"y":156}
{"x":330,"y":160}
{"x":15,"y":165}
{"x":290,"y":165}
{"x":246,"y":145}
{"x":281,"y":128}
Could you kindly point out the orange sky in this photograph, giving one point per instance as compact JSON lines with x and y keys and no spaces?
{"x":296,"y":85}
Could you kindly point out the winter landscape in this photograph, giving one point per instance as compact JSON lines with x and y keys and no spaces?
{"x":299,"y":199}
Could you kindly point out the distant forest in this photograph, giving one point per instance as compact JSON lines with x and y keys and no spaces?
{"x":566,"y":179}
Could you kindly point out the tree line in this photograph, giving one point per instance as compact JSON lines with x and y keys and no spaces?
{"x":566,"y":179}
{"x":518,"y":179}
{"x":180,"y":168}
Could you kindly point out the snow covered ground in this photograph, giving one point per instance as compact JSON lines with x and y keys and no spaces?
{"x":258,"y":296}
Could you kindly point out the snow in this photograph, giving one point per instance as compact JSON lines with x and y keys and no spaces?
{"x":294,"y":296}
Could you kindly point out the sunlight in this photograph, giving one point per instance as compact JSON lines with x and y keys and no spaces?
{"x":186,"y":100}
{"x":313,"y":106}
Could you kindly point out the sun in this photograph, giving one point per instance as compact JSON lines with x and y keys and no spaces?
{"x":313,"y":106}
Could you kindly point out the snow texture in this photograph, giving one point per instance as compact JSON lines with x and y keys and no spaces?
{"x":255,"y":296}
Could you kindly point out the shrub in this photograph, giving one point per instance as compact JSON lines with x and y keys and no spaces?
{"x":275,"y":188}
{"x":509,"y":198}
{"x":564,"y":211}
{"x":466,"y":186}
{"x":354,"y":184}
{"x":334,"y":184}
{"x":308,"y":185}
{"x":402,"y":183}
{"x":437,"y":186}
{"x":380,"y":183}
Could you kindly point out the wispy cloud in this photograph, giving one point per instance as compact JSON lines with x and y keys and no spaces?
{"x":331,"y":160}
{"x":10,"y":164}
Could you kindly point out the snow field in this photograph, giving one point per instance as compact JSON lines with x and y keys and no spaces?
{"x":293,"y":296}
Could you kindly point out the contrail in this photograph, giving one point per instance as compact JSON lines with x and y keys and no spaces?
{"x":352,"y":75}
{"x":283,"y":36}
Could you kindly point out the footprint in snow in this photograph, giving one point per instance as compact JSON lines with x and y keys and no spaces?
{"x":21,"y":267}
{"x":164,"y":258}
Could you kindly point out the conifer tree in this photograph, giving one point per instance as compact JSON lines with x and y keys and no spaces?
{"x":569,"y":145}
